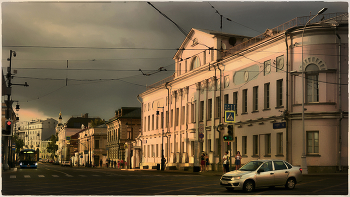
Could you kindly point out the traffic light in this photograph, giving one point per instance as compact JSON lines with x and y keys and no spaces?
{"x":8,"y":127}
{"x":229,"y":136}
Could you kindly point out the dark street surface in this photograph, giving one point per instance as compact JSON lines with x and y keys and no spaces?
{"x":50,"y":179}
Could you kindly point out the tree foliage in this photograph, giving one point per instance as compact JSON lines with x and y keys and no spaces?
{"x":52,"y":147}
{"x":96,"y":122}
{"x":19,"y":143}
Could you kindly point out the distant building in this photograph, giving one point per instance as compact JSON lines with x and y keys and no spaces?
{"x":36,"y":131}
{"x":71,"y":127}
{"x":44,"y":154}
{"x":92,"y":146}
{"x":122,"y":130}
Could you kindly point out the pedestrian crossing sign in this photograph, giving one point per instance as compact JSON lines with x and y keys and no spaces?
{"x":230,"y":116}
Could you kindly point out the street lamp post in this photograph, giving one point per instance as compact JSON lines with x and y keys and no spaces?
{"x":163,"y":159}
{"x":303,"y":156}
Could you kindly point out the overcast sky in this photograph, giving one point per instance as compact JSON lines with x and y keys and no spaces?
{"x":107,"y":43}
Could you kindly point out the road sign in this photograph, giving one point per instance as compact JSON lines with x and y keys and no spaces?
{"x":201,"y":135}
{"x":230,"y":107}
{"x":279,"y":125}
{"x":230,"y":116}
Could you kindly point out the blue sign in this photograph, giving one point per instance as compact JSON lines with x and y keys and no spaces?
{"x":67,"y":138}
{"x":279,"y":125}
{"x":230,"y":116}
{"x":230,"y":107}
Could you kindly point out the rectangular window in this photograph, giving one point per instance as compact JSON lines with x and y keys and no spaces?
{"x":279,"y":143}
{"x":193,"y":112}
{"x":144,"y":151}
{"x":162,"y":120}
{"x":179,"y":69}
{"x":177,"y":116}
{"x":255,"y":98}
{"x":152,"y":150}
{"x":235,"y":100}
{"x":201,"y":112}
{"x":255,"y":145}
{"x":280,"y":93}
{"x":186,"y":66}
{"x":209,"y":145}
{"x":226,"y":99}
{"x":129,"y":132}
{"x":267,"y":96}
{"x":218,"y":107}
{"x":148,"y":151}
{"x":149,"y":123}
{"x":157,"y":121}
{"x":172,"y":118}
{"x":183,"y":113}
{"x":244,"y":145}
{"x":312,"y":142}
{"x":245,"y":101}
{"x":268,"y":144}
{"x":157,"y":153}
{"x":312,"y":88}
{"x":167,"y":118}
{"x":152,"y":122}
{"x":209,"y":109}
{"x":192,"y":148}
{"x":97,"y":144}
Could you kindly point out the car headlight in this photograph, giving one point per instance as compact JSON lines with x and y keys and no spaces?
{"x":236,"y":177}
{"x":20,"y":163}
{"x":36,"y":164}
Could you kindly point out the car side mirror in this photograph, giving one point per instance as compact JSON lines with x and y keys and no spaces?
{"x":261,"y":170}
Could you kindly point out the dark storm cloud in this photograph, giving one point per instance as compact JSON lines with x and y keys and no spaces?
{"x":103,"y":80}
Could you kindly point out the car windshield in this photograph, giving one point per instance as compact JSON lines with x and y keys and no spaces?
{"x":251,"y":166}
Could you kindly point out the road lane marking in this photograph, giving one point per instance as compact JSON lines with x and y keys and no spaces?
{"x":13,"y":176}
{"x":55,"y":175}
{"x":41,"y":175}
{"x":26,"y":176}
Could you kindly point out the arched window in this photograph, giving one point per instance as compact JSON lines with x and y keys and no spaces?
{"x":195,"y":63}
{"x":312,"y":90}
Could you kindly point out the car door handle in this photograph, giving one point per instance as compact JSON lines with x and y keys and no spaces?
{"x":286,"y":172}
{"x":272,"y":173}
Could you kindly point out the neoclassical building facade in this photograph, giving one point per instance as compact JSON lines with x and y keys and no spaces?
{"x":270,"y":79}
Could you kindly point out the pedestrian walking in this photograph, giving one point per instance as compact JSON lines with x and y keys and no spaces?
{"x":206,"y":162}
{"x":238,"y":158}
{"x":202,"y":162}
{"x":225,"y":162}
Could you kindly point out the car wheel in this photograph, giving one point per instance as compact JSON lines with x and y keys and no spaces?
{"x":229,"y":188}
{"x":248,"y":186}
{"x":290,"y":183}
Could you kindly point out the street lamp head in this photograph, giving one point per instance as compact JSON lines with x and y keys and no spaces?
{"x":14,"y":53}
{"x":322,"y":10}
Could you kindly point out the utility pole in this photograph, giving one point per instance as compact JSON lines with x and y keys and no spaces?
{"x":9,"y":115}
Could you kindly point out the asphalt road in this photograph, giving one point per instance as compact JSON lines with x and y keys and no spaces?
{"x":50,"y":179}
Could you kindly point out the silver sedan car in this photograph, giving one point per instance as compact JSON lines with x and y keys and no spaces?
{"x":262,"y":173}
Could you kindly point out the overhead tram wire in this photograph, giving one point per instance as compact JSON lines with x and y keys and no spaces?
{"x":231,"y":20}
{"x":180,"y":28}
